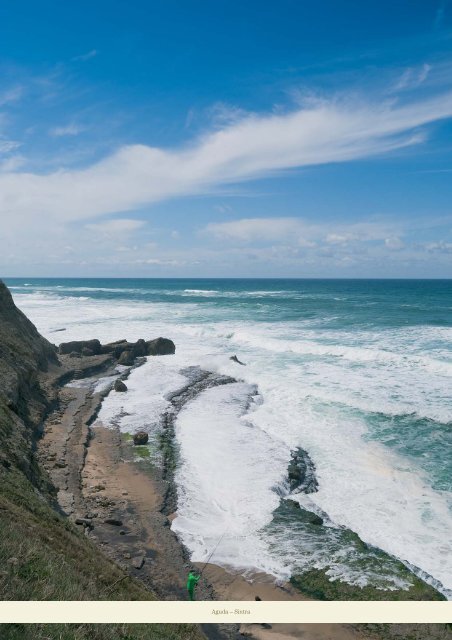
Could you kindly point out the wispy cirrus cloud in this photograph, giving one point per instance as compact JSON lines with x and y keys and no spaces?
{"x":70,"y":129}
{"x":412,"y":78}
{"x":254,"y":146}
{"x":85,"y":56}
{"x":11,"y":95}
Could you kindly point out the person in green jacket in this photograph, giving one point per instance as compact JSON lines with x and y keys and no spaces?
{"x":192,"y":581}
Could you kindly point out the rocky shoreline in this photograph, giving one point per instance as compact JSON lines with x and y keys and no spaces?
{"x":92,"y":475}
{"x":113,"y":519}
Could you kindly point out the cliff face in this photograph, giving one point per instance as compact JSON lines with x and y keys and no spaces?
{"x":25,"y":357}
{"x":36,"y":542}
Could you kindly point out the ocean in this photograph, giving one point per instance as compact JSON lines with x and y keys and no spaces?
{"x":355,"y":372}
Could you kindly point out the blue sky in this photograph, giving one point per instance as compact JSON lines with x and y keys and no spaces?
{"x":198,"y":138}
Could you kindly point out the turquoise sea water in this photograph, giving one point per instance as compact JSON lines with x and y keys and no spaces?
{"x":357,"y":372}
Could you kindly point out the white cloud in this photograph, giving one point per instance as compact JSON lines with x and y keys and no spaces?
{"x":299,"y":231}
{"x":256,"y":229}
{"x":118,"y":226}
{"x":426,"y":68}
{"x":67,"y":130}
{"x":85,"y":56}
{"x":157,"y":261}
{"x":12,"y":163}
{"x":8,"y":145}
{"x":439,"y":247}
{"x":11,"y":95}
{"x":253,"y":147}
{"x":412,"y":78}
{"x":335,"y":238}
{"x":394,"y":243}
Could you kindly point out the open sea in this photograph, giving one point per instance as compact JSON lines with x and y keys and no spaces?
{"x":358,"y":373}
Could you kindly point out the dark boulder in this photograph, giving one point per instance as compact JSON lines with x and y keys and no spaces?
{"x":120,"y":347}
{"x":301,"y":473}
{"x":106,"y":348}
{"x":79,"y":345}
{"x":160,"y":347}
{"x":126,"y":358}
{"x":141,"y":437}
{"x":87,"y":352}
{"x":139,"y":349}
{"x":120,"y":386}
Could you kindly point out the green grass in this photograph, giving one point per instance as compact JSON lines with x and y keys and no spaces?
{"x":98,"y":632}
{"x":44,"y":557}
{"x":142,"y":451}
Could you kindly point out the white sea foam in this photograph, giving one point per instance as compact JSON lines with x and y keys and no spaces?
{"x":300,"y":371}
{"x":145,"y":401}
{"x":225,"y":485}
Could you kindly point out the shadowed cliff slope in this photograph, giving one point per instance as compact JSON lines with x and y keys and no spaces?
{"x":42,"y":555}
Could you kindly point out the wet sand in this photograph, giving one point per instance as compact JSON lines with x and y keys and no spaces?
{"x":120,"y":503}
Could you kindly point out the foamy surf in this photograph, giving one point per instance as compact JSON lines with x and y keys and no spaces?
{"x":365,"y":393}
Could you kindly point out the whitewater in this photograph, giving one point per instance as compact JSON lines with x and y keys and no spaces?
{"x":356,"y":373}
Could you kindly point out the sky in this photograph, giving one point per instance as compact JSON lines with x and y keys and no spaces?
{"x":191,"y":138}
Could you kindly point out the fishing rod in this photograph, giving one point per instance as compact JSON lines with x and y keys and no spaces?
{"x":216,"y":547}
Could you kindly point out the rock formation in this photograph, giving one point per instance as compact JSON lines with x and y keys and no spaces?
{"x":125,"y":352}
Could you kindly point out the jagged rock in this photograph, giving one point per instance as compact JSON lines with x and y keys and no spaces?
{"x":120,"y":347}
{"x":139,"y":348}
{"x":120,"y":386}
{"x":74,"y":354}
{"x":141,"y":437}
{"x":124,"y":351}
{"x":301,"y":472}
{"x":126,"y":358}
{"x":160,"y":347}
{"x":79,"y":345}
{"x":23,"y":403}
{"x":117,"y":348}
